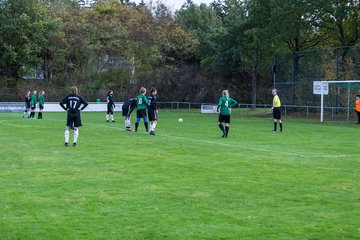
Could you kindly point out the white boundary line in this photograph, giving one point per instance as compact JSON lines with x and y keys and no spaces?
{"x":238,"y":146}
{"x":3,"y":122}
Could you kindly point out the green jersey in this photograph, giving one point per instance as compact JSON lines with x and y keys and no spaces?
{"x":225,"y":104}
{"x":33,"y":99}
{"x":41,"y":99}
{"x":141,"y":101}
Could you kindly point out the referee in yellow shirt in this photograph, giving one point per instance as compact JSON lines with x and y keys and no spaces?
{"x":276,"y":110}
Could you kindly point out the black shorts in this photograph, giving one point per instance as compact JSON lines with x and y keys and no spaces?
{"x":110,"y":109}
{"x":141,"y":113}
{"x":73,"y":119}
{"x":224,"y":118}
{"x":125,"y":110}
{"x":276,"y":113}
{"x":152,"y":114}
{"x":33,"y":107}
{"x":41,"y":106}
{"x":27,"y":105}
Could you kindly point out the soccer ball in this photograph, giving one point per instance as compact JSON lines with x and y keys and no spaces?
{"x":180,"y":120}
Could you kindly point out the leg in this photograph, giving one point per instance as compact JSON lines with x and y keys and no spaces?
{"x":152,"y":127}
{"x":66,"y":135}
{"x":280,"y":124}
{"x":112,"y":114}
{"x":146,"y":124}
{"x":275,"y":125}
{"x":137,"y":124}
{"x":76,"y":135}
{"x":127,"y":123}
{"x":227,"y":128}
{"x":221,"y":126}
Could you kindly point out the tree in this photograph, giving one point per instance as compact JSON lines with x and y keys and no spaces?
{"x":340,"y":22}
{"x":25,"y":30}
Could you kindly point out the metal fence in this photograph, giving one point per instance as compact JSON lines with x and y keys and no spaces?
{"x":295,"y":72}
{"x":264,"y":110}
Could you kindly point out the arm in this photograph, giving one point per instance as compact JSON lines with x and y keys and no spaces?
{"x":84,"y":102}
{"x":219,"y":104}
{"x":233,"y":103}
{"x":62,"y":103}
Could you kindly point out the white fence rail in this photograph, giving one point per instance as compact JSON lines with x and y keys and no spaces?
{"x":331,"y":113}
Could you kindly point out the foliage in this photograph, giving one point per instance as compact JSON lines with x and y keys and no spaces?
{"x":25,"y":30}
{"x":230,"y":43}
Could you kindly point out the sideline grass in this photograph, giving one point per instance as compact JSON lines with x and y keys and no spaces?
{"x":184,"y":183}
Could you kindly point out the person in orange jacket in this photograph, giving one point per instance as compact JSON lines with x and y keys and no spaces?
{"x":357,"y":107}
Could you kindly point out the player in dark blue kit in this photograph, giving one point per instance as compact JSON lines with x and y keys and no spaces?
{"x":127,"y":109}
{"x":110,"y":106}
{"x":73,"y":104}
{"x":152,"y":111}
{"x":27,"y":100}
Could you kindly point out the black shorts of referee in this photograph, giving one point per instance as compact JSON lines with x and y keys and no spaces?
{"x":277,"y":113}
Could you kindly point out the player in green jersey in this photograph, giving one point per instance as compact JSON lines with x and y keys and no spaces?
{"x":41,"y":103}
{"x":33,"y":104}
{"x":224,"y":106}
{"x":141,"y":109}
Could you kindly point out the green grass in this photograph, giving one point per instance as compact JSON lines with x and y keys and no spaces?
{"x":184,"y":183}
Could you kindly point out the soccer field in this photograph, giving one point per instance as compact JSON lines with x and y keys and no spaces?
{"x":184,"y":183}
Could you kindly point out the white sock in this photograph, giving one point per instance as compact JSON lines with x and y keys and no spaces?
{"x":153,"y":126}
{"x":76,"y":134}
{"x":67,"y":133}
{"x":127,"y":123}
{"x":112,"y":117}
{"x":107,"y":117}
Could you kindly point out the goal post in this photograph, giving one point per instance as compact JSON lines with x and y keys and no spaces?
{"x":324,"y":87}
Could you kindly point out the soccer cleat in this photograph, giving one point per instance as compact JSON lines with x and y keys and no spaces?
{"x":226,"y":134}
{"x":129,"y":130}
{"x":107,"y":120}
{"x":223,"y":135}
{"x":113,"y":120}
{"x":66,"y":144}
{"x":274,"y":131}
{"x":152,"y":133}
{"x":74,"y":144}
